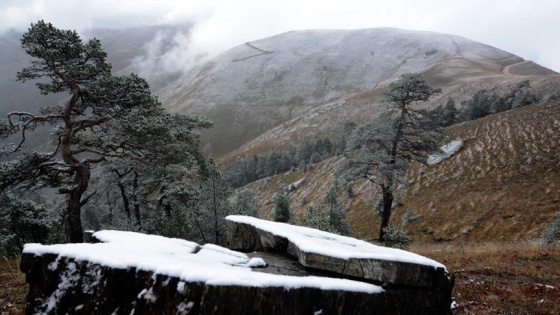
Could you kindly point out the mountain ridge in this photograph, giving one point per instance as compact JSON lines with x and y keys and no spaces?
{"x":257,"y":86}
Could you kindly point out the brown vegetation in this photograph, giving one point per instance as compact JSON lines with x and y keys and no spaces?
{"x":12,"y":287}
{"x":502,"y":185}
{"x":512,"y":278}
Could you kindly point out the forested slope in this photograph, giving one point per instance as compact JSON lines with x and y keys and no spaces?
{"x":502,"y":185}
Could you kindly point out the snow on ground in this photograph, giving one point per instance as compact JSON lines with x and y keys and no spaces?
{"x":313,"y":65}
{"x":188,"y":261}
{"x":319,"y":242}
{"x":293,"y":186}
{"x":447,"y":151}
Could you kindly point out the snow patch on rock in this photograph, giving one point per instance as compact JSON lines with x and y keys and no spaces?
{"x":324,"y":243}
{"x":446,"y":152}
{"x":210,"y":264}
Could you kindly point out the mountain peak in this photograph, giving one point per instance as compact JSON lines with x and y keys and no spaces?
{"x":264,"y":83}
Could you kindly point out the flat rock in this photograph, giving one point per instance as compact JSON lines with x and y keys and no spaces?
{"x":333,"y":253}
{"x":126,"y":272}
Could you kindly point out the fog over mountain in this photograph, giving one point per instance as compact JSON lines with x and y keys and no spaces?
{"x":320,"y":65}
{"x":289,"y":87}
{"x":150,"y":51}
{"x":259,"y":85}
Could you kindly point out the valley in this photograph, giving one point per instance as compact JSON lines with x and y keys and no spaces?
{"x":280,"y":92}
{"x":492,"y":198}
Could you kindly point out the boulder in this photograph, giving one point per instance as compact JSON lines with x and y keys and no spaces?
{"x":405,"y":276}
{"x":344,"y":256}
{"x":133,"y":273}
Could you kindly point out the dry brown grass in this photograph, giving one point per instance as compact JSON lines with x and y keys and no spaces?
{"x":514,"y":278}
{"x":502,"y":186}
{"x":12,"y":287}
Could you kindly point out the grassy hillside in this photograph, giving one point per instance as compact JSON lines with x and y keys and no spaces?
{"x":329,"y":119}
{"x":513,"y":278}
{"x":502,"y":185}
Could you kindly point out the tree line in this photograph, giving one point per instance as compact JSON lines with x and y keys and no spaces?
{"x":483,"y":103}
{"x":247,"y":170}
{"x":486,"y":102}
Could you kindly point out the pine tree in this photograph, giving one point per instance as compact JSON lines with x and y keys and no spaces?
{"x":21,"y":221}
{"x":336,"y":217}
{"x":450,"y":113}
{"x":317,"y":218}
{"x":282,"y":211}
{"x":105,"y":118}
{"x":245,"y":203}
{"x":388,"y":144}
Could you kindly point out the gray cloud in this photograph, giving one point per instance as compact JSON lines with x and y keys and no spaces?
{"x":527,"y":28}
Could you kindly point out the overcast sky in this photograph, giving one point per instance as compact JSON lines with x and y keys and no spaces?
{"x":527,"y":28}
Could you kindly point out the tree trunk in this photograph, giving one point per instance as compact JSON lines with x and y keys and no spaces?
{"x":126,"y":204}
{"x":215,"y":206}
{"x":73,"y":216}
{"x":135,"y":200}
{"x":386,"y":213}
{"x":74,"y":230}
{"x":388,"y":189}
{"x":200,"y":229}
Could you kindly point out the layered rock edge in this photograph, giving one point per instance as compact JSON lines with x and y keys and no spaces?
{"x":79,"y":279}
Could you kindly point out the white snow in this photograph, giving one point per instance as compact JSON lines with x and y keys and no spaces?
{"x":447,"y":151}
{"x":293,"y":186}
{"x":256,"y":262}
{"x":313,"y":65}
{"x":148,"y":295}
{"x":184,"y":308}
{"x":186,"y":260}
{"x":319,"y":242}
{"x":68,"y":279}
{"x":454,"y":305}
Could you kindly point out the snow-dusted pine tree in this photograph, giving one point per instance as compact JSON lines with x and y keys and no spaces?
{"x":282,"y":210}
{"x":105,"y":118}
{"x":399,"y":136}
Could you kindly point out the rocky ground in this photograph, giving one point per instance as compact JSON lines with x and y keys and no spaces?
{"x":515,"y":278}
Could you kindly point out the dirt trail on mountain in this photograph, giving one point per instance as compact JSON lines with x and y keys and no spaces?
{"x":261,"y":52}
{"x":507,"y":69}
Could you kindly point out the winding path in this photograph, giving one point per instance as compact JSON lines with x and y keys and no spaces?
{"x":507,"y":69}
{"x":261,"y":52}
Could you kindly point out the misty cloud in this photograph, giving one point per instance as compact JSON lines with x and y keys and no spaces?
{"x":524,"y":27}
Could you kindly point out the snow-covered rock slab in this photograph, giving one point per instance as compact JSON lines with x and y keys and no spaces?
{"x":132,"y":273}
{"x":334,"y":253}
{"x":144,"y":274}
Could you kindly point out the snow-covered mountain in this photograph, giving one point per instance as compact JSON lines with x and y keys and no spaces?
{"x":259,"y":85}
{"x":317,"y":66}
{"x":290,"y":87}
